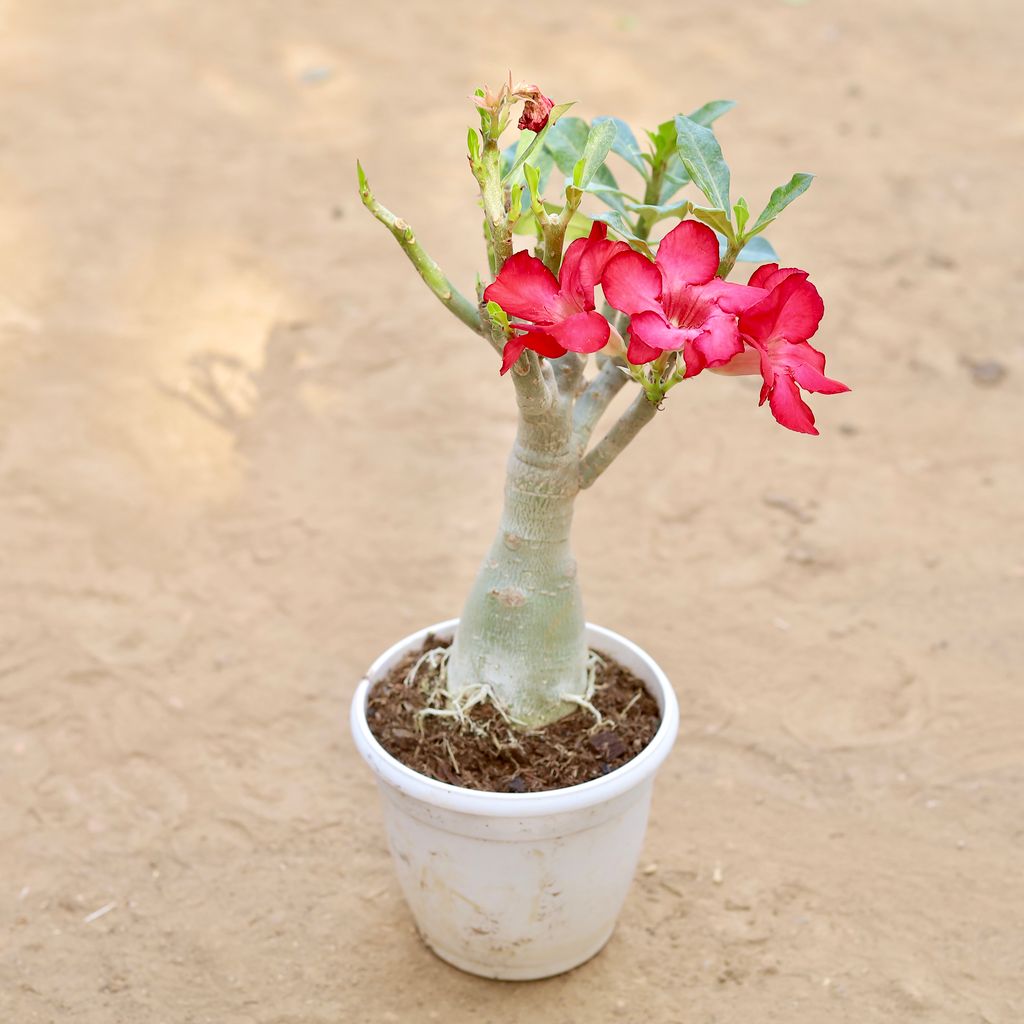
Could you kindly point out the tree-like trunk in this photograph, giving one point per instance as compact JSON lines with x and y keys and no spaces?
{"x":521,"y":633}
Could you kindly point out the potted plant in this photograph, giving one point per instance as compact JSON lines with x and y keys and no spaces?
{"x":514,"y":884}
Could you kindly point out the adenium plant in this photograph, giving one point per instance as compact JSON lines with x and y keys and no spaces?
{"x":669,"y":312}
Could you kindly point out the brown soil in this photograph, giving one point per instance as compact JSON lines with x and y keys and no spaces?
{"x":243,"y":450}
{"x":486,"y":753}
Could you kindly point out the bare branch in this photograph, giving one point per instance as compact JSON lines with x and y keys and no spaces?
{"x":590,"y":406}
{"x":628,"y":425}
{"x":569,"y":373}
{"x":434,"y":277}
{"x":536,"y":392}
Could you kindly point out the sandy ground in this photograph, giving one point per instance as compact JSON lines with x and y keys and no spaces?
{"x":242,"y":450}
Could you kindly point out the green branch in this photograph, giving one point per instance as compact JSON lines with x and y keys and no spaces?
{"x":625,"y":428}
{"x":432,"y":274}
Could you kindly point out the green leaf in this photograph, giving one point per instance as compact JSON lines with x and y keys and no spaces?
{"x":712,"y":111}
{"x":523,"y":151}
{"x":702,"y":157}
{"x":473,"y":143}
{"x":624,"y":144}
{"x":780,"y":199}
{"x":742,"y":212}
{"x":674,"y":178}
{"x":757,"y":250}
{"x":662,"y":210}
{"x":361,"y":175}
{"x":716,"y":219}
{"x":497,"y":314}
{"x":565,"y":142}
{"x":663,"y":141}
{"x":621,"y":227}
{"x":532,"y":175}
{"x":516,"y":207}
{"x":610,"y":195}
{"x":599,"y":144}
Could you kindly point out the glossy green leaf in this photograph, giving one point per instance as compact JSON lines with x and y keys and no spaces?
{"x":702,"y":157}
{"x":780,"y":199}
{"x":625,"y":144}
{"x":473,"y":143}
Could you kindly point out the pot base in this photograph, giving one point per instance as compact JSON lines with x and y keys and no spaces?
{"x":517,"y":972}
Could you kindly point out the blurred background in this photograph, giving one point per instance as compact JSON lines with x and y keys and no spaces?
{"x":242,"y":450}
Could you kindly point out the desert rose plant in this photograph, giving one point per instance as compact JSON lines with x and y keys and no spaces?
{"x":668,"y":314}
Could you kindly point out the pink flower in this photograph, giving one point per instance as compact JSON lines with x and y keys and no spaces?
{"x":677,"y":302}
{"x":558,"y":312}
{"x":538,"y":106}
{"x":776,"y":330}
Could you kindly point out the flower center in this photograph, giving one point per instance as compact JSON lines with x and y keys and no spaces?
{"x":685,"y":307}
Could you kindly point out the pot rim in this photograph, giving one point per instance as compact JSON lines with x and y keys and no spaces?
{"x":518,"y":805}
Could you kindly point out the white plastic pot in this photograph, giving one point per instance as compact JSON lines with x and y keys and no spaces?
{"x":517,"y":885}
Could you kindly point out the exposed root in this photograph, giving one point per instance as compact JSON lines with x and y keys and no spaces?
{"x":441,"y":703}
{"x":458,"y":705}
{"x":636,"y":696}
{"x":574,"y":698}
{"x":594,"y":661}
{"x":437,"y":660}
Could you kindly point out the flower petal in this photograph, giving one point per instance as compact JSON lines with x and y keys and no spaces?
{"x":650,"y":329}
{"x":688,"y":254}
{"x":759,"y":276}
{"x":792,"y":311}
{"x":808,"y":374}
{"x":715,"y":346}
{"x":639,"y":351}
{"x":524,"y":288}
{"x":632,"y":283}
{"x":733,"y":298}
{"x":512,"y":351}
{"x":789,"y":408}
{"x":769,"y":276}
{"x":742,"y":364}
{"x":542,"y":341}
{"x":584,"y":332}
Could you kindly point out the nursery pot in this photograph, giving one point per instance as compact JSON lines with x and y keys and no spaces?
{"x":517,"y":885}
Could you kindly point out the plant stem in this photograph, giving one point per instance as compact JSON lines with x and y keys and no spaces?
{"x":729,"y":260}
{"x":434,"y":277}
{"x":596,"y":398}
{"x":629,"y":424}
{"x":521,"y":633}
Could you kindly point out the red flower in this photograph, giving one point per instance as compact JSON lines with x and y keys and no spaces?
{"x":538,"y":106}
{"x":558,"y":313}
{"x":776,"y":330}
{"x":677,"y":302}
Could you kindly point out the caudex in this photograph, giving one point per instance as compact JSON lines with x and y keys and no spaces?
{"x":668,"y":314}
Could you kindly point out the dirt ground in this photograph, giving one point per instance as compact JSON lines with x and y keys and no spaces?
{"x":242,"y":450}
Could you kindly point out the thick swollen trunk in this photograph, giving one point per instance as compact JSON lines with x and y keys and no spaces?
{"x":521,"y":632}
